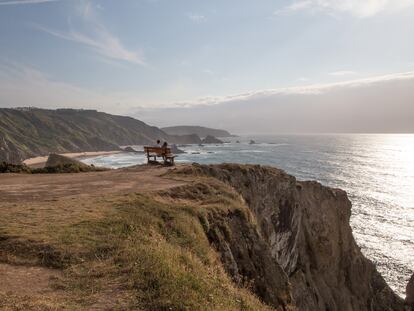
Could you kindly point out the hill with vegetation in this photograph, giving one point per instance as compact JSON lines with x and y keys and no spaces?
{"x":56,"y":164}
{"x":198,"y":130}
{"x":30,"y":132}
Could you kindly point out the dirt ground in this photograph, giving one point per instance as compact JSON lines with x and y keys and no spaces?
{"x":25,"y":280}
{"x":27,"y":187}
{"x":32,"y":205}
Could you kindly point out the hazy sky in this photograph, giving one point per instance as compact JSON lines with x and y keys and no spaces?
{"x":121,"y":56}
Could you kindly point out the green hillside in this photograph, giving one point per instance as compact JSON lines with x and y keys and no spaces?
{"x":29,"y":132}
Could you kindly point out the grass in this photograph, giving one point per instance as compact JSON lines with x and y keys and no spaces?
{"x":132,"y":252}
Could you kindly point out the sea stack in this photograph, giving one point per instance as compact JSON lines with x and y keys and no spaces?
{"x":211,"y":140}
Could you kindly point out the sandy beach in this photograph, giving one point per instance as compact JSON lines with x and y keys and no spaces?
{"x":40,"y":161}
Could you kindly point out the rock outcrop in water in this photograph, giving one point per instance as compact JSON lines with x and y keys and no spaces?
{"x":302,"y":253}
{"x":129,"y":149}
{"x":211,"y":140}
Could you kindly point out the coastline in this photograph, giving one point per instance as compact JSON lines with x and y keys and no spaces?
{"x":348,"y":161}
{"x":37,"y":162}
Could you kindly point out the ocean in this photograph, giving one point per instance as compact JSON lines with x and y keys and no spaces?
{"x":376,"y":170}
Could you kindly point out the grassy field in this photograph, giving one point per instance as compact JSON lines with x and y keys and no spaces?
{"x":135,"y":250}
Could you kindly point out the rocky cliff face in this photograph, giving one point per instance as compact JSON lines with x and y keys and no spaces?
{"x":303,"y":253}
{"x":248,"y":259}
{"x":410,"y":292}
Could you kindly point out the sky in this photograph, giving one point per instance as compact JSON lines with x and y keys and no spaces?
{"x":171,"y":62}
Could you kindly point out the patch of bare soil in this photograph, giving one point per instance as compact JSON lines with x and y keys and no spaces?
{"x":26,"y":280}
{"x":27,"y":187}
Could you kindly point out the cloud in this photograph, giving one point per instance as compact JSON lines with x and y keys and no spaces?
{"x":101,"y":41}
{"x":22,"y":85}
{"x":98,"y":37}
{"x":357,"y":8}
{"x":297,"y":6}
{"x":17,"y":2}
{"x":343,"y":73}
{"x":313,"y":89}
{"x":196,"y":18}
{"x":375,"y":105}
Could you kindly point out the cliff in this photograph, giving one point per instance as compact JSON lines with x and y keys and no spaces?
{"x":302,"y":229}
{"x":196,"y":237}
{"x":409,"y":299}
{"x":198,"y":130}
{"x":33,"y":132}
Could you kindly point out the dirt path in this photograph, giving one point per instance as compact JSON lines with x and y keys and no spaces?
{"x":26,"y":187}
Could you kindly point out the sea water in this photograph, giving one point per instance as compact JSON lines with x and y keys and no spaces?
{"x":377,"y":171}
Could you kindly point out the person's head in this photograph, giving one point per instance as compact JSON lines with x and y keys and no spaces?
{"x":158,"y":141}
{"x":165,"y":144}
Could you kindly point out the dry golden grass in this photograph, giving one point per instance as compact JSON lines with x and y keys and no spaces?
{"x":136,"y":251}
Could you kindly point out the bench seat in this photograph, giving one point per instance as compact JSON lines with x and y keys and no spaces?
{"x":160,"y":152}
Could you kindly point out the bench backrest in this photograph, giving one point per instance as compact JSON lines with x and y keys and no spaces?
{"x":157,"y":150}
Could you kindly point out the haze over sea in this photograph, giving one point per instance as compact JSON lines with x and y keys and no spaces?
{"x":377,"y":171}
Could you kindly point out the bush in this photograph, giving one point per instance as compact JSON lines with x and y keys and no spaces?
{"x":14,"y":168}
{"x":58,"y":169}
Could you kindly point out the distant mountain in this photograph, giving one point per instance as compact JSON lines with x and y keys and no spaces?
{"x":198,"y":130}
{"x":29,"y":132}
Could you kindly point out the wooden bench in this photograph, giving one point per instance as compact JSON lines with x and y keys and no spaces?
{"x":164,"y":153}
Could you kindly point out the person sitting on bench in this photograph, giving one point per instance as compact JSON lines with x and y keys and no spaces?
{"x":164,"y":149}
